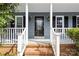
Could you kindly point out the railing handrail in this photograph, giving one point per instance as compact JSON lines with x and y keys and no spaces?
{"x":20,"y":52}
{"x":23,"y":32}
{"x":62,"y":28}
{"x":11,"y":28}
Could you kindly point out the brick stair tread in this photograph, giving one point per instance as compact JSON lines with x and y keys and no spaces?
{"x":33,"y":45}
{"x":34,"y":49}
{"x":38,"y":51}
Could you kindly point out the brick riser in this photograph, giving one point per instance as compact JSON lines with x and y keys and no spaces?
{"x":39,"y":50}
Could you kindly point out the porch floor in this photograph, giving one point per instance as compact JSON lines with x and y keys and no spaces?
{"x":38,"y":49}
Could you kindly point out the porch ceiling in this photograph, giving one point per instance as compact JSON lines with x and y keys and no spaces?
{"x":66,"y":7}
{"x":39,"y":7}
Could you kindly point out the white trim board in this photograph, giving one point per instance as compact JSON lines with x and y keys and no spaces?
{"x":66,"y":42}
{"x":40,"y":40}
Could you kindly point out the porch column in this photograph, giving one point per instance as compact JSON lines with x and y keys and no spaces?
{"x":26,"y":26}
{"x":51,"y":12}
{"x":57,"y":43}
{"x":51,"y":28}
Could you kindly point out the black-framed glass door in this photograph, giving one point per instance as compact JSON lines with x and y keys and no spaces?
{"x":39,"y":25}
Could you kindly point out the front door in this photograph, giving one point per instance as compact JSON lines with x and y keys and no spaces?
{"x":59,"y":23}
{"x":39,"y":26}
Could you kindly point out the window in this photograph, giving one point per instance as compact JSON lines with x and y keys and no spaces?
{"x":59,"y":21}
{"x":19,"y":21}
{"x":77,"y":21}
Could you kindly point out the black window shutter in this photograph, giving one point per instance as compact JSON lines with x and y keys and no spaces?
{"x":65,"y":21}
{"x":74,"y":21}
{"x":53,"y":21}
{"x":12,"y":23}
{"x":24,"y":21}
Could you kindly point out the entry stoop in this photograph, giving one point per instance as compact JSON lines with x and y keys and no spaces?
{"x":38,"y":49}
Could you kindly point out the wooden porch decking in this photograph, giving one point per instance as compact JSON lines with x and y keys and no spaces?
{"x":38,"y":49}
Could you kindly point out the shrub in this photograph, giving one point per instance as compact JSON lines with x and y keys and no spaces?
{"x":74,"y":35}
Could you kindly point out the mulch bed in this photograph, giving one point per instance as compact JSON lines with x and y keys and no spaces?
{"x":8,"y":50}
{"x":67,"y":50}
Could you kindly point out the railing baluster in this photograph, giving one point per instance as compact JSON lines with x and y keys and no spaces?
{"x":2,"y":35}
{"x":13,"y":37}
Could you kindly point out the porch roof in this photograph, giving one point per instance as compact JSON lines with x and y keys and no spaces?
{"x":39,"y":7}
{"x":57,"y":7}
{"x":66,"y":7}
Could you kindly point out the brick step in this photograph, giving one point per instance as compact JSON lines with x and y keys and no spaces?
{"x":41,"y":45}
{"x":39,"y":49}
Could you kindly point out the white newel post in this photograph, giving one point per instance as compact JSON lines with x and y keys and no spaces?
{"x":58,"y":44}
{"x":19,"y":44}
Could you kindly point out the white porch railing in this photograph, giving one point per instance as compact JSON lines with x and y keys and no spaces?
{"x":55,"y":42}
{"x":9,"y":35}
{"x":62,"y":31}
{"x":59,"y":34}
{"x":22,"y":42}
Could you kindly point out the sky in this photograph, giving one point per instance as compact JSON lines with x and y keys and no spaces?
{"x":39,"y":1}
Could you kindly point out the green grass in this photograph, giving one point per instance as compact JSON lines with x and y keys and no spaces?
{"x":8,"y":55}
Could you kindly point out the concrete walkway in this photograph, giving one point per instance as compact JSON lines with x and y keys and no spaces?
{"x":39,"y":49}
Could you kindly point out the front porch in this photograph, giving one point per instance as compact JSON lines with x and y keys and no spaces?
{"x":40,"y":26}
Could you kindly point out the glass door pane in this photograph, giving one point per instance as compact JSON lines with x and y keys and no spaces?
{"x":19,"y":21}
{"x":59,"y":23}
{"x":39,"y":26}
